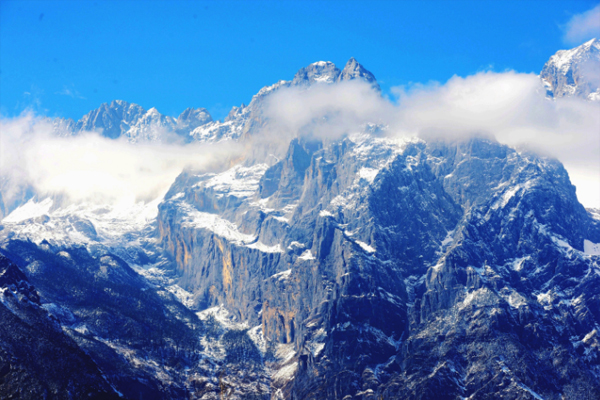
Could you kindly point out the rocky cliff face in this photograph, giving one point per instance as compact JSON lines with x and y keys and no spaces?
{"x":574,"y":72}
{"x":367,"y":267}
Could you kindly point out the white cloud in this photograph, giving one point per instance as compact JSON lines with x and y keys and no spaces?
{"x":583,"y":27}
{"x":511,"y":107}
{"x":326,"y":111}
{"x":89,"y":167}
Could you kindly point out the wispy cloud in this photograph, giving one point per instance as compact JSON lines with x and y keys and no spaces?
{"x":583,"y":27}
{"x":71,"y":92}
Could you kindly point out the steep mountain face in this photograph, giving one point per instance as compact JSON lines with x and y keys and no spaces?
{"x":319,"y":72}
{"x":353,"y":70}
{"x":400,"y":270}
{"x":367,"y":267}
{"x":37,"y":360}
{"x":574,"y":72}
{"x":113,"y":119}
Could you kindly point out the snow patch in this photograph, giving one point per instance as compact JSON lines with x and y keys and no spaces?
{"x":283,"y":275}
{"x":223,"y":228}
{"x":590,"y":248}
{"x":517,"y":263}
{"x":285,"y":373}
{"x":184,"y":297}
{"x":256,"y":335}
{"x":238,"y":181}
{"x":307,"y":256}
{"x":531,"y":392}
{"x":365,"y":247}
{"x":223,"y":317}
{"x":325,"y":213}
{"x":368,"y":174}
{"x":448,"y":239}
{"x":296,"y":245}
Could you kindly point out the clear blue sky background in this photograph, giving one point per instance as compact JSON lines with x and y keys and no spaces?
{"x":64,"y":58}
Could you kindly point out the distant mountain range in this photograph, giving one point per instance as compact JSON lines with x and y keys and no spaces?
{"x":120,"y":119}
{"x":572,"y":72}
{"x":364,"y":267}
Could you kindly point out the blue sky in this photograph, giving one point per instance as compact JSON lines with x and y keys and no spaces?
{"x":64,"y":58}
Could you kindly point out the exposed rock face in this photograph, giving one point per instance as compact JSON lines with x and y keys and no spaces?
{"x":399,"y":270}
{"x":353,"y":70}
{"x":319,"y":72}
{"x":574,"y":72}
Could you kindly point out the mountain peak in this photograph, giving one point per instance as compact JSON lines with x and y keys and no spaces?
{"x":191,"y":118}
{"x":108,"y":118}
{"x":317,"y":72}
{"x":593,"y":42}
{"x":117,"y":103}
{"x":323,"y":64}
{"x":354,"y":70}
{"x":574,"y":72}
{"x":327,"y":72}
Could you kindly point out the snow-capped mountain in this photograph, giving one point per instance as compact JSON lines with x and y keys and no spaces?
{"x":364,"y":267}
{"x":327,"y":72}
{"x":121,"y":119}
{"x":574,"y":72}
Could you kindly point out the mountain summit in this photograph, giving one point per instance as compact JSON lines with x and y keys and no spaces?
{"x":354,"y":70}
{"x":327,"y":72}
{"x":574,"y":72}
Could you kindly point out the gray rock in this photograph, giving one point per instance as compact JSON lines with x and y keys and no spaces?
{"x":354,"y":70}
{"x":318,"y":72}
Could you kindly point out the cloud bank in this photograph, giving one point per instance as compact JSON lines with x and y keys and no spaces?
{"x":583,"y":27}
{"x":92,"y":168}
{"x":509,"y":106}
